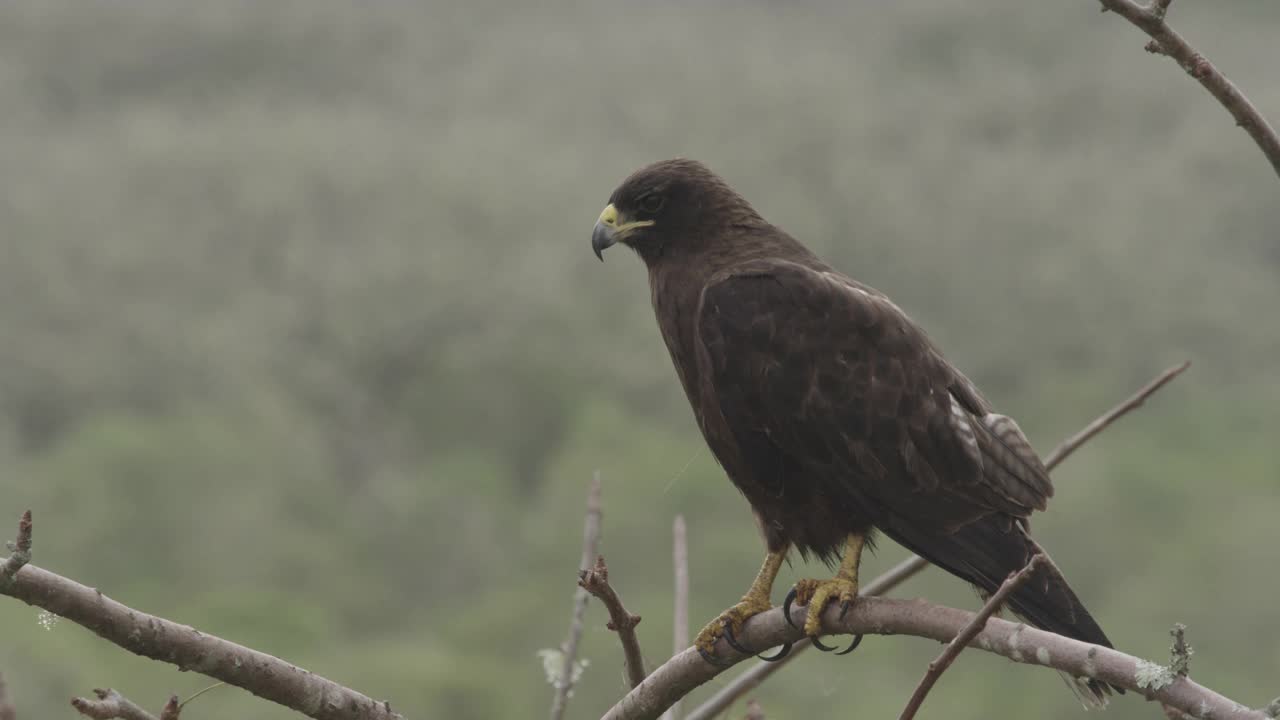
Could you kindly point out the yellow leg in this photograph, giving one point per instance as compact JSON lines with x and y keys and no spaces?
{"x":754,"y":602}
{"x":817,"y":593}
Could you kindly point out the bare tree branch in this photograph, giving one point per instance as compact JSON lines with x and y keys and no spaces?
{"x":1150,"y":18}
{"x":596,"y":582}
{"x":590,"y":545}
{"x":966,"y":634}
{"x":1133,"y":402}
{"x":154,"y":637}
{"x":111,"y":704}
{"x":889,"y":616}
{"x":904,"y":570}
{"x":680,"y":625}
{"x":7,"y":712}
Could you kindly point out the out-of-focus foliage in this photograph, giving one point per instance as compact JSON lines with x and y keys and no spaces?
{"x":301,"y":341}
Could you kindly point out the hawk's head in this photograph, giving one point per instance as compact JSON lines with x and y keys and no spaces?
{"x":670,"y":207}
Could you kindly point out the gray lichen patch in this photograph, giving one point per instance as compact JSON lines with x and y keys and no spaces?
{"x":1150,"y":676}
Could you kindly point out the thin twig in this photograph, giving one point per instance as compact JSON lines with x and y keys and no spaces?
{"x":154,"y":637}
{"x":7,"y":711}
{"x":891,"y":616}
{"x":1135,"y":401}
{"x":966,"y":635}
{"x":19,"y":551}
{"x":590,"y":544}
{"x":596,"y":582}
{"x":904,"y":570}
{"x":110,"y":704}
{"x":680,"y":625}
{"x":1165,"y":41}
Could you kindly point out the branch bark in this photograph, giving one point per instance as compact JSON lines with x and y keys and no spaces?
{"x":966,"y":634}
{"x":596,"y":582}
{"x":590,"y":544}
{"x":1150,"y":18}
{"x":154,"y":637}
{"x":886,"y":616}
{"x":906,"y":569}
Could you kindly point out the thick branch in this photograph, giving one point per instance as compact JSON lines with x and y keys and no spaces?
{"x":885,"y":616}
{"x":590,"y":543}
{"x":596,"y":582}
{"x":154,"y":637}
{"x":966,"y":634}
{"x":904,"y":570}
{"x":1165,"y":41}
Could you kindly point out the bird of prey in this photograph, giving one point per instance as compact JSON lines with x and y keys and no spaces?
{"x":829,"y":408}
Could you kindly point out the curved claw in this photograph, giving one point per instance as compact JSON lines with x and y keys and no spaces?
{"x":857,"y":640}
{"x":818,"y":644}
{"x":785,"y":651}
{"x":733,"y":641}
{"x":712,"y":659}
{"x":786,"y":608}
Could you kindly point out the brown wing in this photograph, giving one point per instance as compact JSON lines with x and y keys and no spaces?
{"x":838,"y":378}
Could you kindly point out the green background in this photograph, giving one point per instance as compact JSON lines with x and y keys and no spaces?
{"x":302,"y":342}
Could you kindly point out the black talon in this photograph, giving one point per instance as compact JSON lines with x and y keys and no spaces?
{"x":818,"y":644}
{"x":844,"y":608}
{"x":857,"y":640}
{"x":785,"y":651}
{"x":733,"y":641}
{"x":786,"y":608}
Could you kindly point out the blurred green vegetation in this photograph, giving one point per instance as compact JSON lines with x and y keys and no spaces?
{"x":301,"y":341}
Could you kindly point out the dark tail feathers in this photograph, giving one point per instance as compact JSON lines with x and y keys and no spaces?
{"x":986,"y":552}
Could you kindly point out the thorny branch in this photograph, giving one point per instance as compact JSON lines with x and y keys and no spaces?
{"x":914,"y":564}
{"x":154,"y":637}
{"x":966,"y":634}
{"x":596,"y":582}
{"x":1150,"y":18}
{"x":590,"y":544}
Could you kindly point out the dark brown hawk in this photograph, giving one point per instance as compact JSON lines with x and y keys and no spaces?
{"x":829,"y":408}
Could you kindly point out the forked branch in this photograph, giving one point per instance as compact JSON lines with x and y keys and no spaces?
{"x":1150,"y":18}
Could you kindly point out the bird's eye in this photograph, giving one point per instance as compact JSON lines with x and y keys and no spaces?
{"x":651,"y":203}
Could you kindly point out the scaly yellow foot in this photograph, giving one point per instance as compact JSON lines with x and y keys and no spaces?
{"x":733,"y":618}
{"x":729,"y":623}
{"x":815,"y":594}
